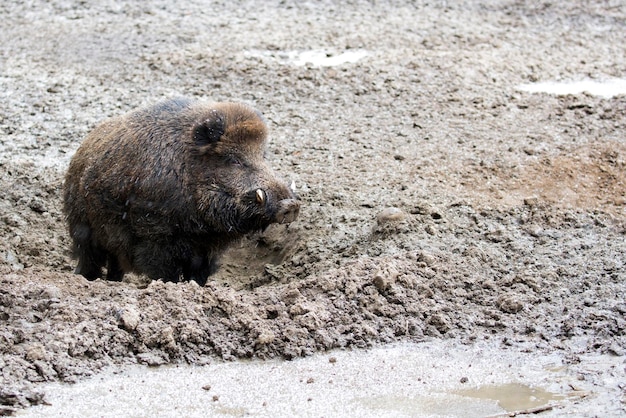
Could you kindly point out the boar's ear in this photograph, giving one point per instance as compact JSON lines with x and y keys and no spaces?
{"x":210,"y":131}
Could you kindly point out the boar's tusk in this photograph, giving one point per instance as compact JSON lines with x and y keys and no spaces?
{"x":260,"y":196}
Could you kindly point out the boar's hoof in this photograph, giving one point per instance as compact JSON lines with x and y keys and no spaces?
{"x":288,"y":211}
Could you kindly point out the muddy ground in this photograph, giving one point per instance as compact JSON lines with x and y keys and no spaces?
{"x":438,"y":200}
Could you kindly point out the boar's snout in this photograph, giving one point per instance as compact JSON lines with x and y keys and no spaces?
{"x":288,"y":210}
{"x":284,"y":211}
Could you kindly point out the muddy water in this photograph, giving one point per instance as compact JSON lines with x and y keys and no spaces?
{"x":417,"y":380}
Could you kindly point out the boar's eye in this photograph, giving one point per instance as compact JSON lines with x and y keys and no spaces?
{"x":232,"y":160}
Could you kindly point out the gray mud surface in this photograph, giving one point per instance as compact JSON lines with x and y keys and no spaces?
{"x":439,"y":202}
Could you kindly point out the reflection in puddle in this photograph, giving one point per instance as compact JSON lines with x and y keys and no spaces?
{"x":512,"y":396}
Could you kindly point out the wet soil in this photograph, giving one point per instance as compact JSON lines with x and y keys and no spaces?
{"x":439,"y":202}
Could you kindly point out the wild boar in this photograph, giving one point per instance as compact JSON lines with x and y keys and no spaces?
{"x":163,"y":190}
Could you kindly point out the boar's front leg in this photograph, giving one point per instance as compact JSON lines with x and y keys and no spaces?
{"x":115,"y":273}
{"x":199,"y":268}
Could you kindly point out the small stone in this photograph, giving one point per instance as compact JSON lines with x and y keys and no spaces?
{"x":7,"y":410}
{"x":166,"y":336}
{"x":151,"y":359}
{"x":36,"y":352}
{"x":390,"y":215}
{"x":265,"y":337}
{"x":128,"y":318}
{"x":11,"y":258}
{"x":332,"y":360}
{"x":38,"y":205}
{"x":535,"y":231}
{"x":14,"y":219}
{"x":440,"y":322}
{"x":216,"y":398}
{"x":298,"y":309}
{"x":425,"y":291}
{"x":436,"y":215}
{"x":290,"y":296}
{"x":509,"y":304}
{"x":384,"y":278}
{"x":51,"y":292}
{"x":426,"y":258}
{"x":206,"y":387}
{"x":380,"y":282}
{"x":310,"y":380}
{"x":464,"y":379}
{"x":615,"y":350}
{"x":531,"y":201}
{"x":11,"y":399}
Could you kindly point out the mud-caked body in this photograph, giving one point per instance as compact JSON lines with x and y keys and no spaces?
{"x":164,"y":190}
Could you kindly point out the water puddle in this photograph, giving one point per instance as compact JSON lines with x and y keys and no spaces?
{"x":606,"y":88}
{"x":432,"y":405}
{"x":318,"y":58}
{"x":513,"y":396}
{"x":438,"y":378}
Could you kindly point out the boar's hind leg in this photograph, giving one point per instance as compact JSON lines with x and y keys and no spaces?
{"x":156,"y":260}
{"x":91,"y":257}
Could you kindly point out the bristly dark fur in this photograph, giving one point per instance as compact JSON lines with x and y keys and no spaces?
{"x":164,"y":190}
